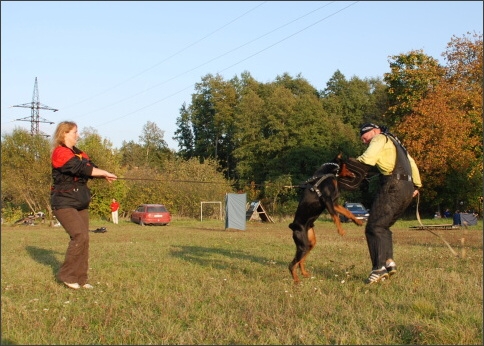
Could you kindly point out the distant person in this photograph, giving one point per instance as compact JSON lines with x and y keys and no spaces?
{"x":437,"y":215}
{"x":447,"y":213}
{"x":456,"y":221}
{"x":114,"y":211}
{"x":70,"y":199}
{"x":40,"y":215}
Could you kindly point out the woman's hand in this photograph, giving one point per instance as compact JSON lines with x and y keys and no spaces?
{"x":110,"y":177}
{"x":97,"y":172}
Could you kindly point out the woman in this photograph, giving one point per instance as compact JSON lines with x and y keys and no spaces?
{"x":70,"y":198}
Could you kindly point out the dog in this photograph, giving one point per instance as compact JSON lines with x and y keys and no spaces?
{"x":321,"y":192}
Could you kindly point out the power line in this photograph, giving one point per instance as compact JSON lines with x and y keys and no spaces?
{"x":240,"y":61}
{"x":162,"y":61}
{"x":206,"y":63}
{"x":288,"y":37}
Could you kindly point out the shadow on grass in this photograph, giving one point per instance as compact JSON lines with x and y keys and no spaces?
{"x":44,"y":256}
{"x":214,"y":257}
{"x":210,"y":256}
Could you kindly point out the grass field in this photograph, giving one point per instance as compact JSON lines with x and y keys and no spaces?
{"x":194,"y":282}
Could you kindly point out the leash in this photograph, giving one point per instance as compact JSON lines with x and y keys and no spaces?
{"x":314,"y":178}
{"x":437,"y":235}
{"x":175,"y":181}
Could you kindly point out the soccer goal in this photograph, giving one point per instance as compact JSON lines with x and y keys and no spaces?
{"x":212,"y":202}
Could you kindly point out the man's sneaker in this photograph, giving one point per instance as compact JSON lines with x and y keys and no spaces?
{"x":377,"y":276}
{"x":74,"y":286}
{"x":88,"y":286}
{"x":391,"y":268}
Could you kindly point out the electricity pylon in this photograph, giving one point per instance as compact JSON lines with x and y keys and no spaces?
{"x":35,"y":118}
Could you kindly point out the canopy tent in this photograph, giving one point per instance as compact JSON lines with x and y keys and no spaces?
{"x":468,"y":219}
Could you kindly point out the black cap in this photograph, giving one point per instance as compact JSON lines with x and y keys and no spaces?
{"x":367,"y":127}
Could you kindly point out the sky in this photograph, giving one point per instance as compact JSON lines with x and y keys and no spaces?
{"x":113,"y":66}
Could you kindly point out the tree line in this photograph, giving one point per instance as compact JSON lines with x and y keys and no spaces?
{"x":241,"y":135}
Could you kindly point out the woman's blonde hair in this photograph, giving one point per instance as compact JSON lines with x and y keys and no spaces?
{"x":60,"y":132}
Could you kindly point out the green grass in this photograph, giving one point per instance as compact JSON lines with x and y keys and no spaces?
{"x":193,"y":282}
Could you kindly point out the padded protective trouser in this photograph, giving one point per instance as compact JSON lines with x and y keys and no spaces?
{"x":391,"y":201}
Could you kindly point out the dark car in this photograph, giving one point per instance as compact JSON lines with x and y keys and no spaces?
{"x":358,"y":210}
{"x":151,"y":214}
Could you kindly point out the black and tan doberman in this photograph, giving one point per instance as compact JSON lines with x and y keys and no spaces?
{"x":320,"y":192}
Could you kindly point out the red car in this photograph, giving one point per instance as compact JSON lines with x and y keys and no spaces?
{"x":151,"y":214}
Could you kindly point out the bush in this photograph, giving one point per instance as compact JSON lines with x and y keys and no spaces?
{"x":10,"y":213}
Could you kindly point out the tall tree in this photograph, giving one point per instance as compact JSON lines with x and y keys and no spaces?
{"x":132,"y":155}
{"x":184,"y":134}
{"x":153,"y":143}
{"x":412,"y":76}
{"x":26,"y":170}
{"x":465,"y":73}
{"x":355,"y":101}
{"x":444,"y":129}
{"x":378,"y":102}
{"x":211,"y":116}
{"x":282,"y":129}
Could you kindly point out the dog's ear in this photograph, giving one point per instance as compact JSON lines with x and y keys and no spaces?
{"x":359,"y":171}
{"x":345,"y":172}
{"x":339,"y":158}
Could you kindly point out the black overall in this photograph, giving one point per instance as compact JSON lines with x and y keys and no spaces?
{"x":393,"y":197}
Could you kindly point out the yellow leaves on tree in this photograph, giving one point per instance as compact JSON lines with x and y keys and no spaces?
{"x":438,"y":135}
{"x":443,"y":132}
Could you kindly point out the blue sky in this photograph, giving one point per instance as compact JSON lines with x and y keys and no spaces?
{"x":113,"y":66}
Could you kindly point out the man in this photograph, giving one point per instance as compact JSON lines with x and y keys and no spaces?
{"x":114,"y":211}
{"x":399,"y":183}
